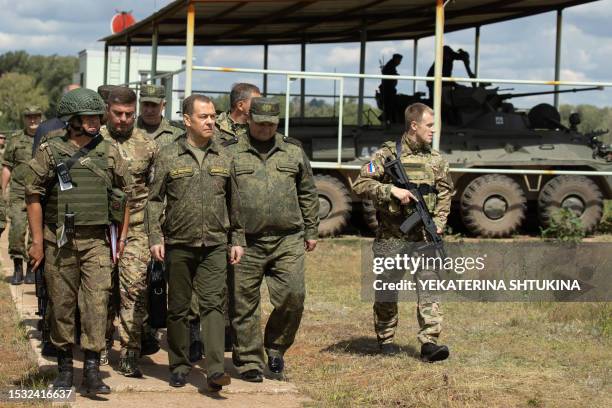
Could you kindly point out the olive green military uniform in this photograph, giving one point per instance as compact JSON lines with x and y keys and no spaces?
{"x":280,"y":209}
{"x":228,"y":129}
{"x":425,"y":167}
{"x":81,"y":268}
{"x":195,"y":191}
{"x":165,"y":133}
{"x":16,"y":157}
{"x":139,"y":152}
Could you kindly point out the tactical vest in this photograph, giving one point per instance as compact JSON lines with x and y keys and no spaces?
{"x":88,"y":197}
{"x":419,"y":172}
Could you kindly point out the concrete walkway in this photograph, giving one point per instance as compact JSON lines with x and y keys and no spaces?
{"x":153,"y":389}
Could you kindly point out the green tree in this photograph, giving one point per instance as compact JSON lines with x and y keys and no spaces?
{"x":52,"y":73}
{"x":16,"y":92}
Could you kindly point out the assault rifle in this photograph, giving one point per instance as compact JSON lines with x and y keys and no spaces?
{"x":42,"y":296}
{"x":395,"y":169}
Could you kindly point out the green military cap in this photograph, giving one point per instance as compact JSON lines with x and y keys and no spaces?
{"x":265,"y":110}
{"x":32,"y":110}
{"x":152,"y":93}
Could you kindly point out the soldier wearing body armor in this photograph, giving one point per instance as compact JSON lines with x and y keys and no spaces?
{"x":80,"y":177}
{"x":16,"y":157}
{"x":280,"y":209}
{"x":151,"y":121}
{"x":139,"y":151}
{"x":425,"y":167}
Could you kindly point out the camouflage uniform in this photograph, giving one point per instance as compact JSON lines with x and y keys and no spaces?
{"x":280,"y":209}
{"x":423,"y":166}
{"x":228,"y":129}
{"x":165,"y":132}
{"x":139,"y":152}
{"x":16,"y":157}
{"x":81,"y":269}
{"x":200,"y":203}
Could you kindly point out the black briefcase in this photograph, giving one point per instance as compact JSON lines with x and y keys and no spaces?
{"x":158,"y":295}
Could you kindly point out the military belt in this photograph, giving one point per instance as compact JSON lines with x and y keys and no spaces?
{"x":273,"y":233}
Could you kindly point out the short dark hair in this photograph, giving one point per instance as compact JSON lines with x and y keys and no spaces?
{"x":414,"y":113}
{"x":189,"y":101}
{"x":121,"y":95}
{"x":240,"y":92}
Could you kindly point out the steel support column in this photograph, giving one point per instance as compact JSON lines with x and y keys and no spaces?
{"x":437,"y":100}
{"x":303,"y":81}
{"x":558,"y":54}
{"x":415,"y":54}
{"x":105,"y":81}
{"x":128,"y":54}
{"x":154,"y":41}
{"x":265,"y":66}
{"x":362,"y":57}
{"x":189,"y":49}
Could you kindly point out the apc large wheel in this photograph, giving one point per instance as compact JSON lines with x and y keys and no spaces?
{"x":577,"y":193}
{"x":369,"y":214}
{"x":493,"y":206}
{"x":334,"y":205}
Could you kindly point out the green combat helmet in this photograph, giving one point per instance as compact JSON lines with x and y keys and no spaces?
{"x":81,"y":101}
{"x":152,"y":93}
{"x":31,"y":110}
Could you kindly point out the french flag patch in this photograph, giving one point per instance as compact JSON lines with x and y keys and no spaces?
{"x":371,"y":168}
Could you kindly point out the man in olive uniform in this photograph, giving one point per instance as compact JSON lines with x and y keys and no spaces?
{"x":430,"y":171}
{"x":139,"y":151}
{"x":230,"y":125}
{"x":195,"y":179}
{"x":233,"y":123}
{"x":74,"y":174}
{"x":280,"y":209}
{"x":16,"y":157}
{"x":151,"y":121}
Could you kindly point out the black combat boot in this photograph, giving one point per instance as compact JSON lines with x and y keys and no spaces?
{"x":29,"y":278}
{"x":17,"y":272}
{"x":64,"y":366}
{"x":195,"y":343}
{"x":128,"y":364}
{"x":431,"y":352}
{"x":92,"y":382}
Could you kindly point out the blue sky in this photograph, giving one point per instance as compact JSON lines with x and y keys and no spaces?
{"x":517,"y":49}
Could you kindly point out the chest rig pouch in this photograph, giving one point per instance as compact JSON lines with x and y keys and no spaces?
{"x":419,"y":172}
{"x":91,"y":198}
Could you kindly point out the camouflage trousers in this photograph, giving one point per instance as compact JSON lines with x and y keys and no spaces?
{"x":281,"y":261}
{"x":429,"y":315}
{"x":79,"y":273}
{"x":19,"y":226}
{"x":129,"y":299}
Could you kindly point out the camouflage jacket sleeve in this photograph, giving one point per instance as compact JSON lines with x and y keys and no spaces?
{"x":308,"y":199}
{"x":9,"y":153}
{"x":155,"y":205}
{"x":369,"y":184}
{"x":40,"y":172}
{"x":444,"y":185}
{"x":120,"y":169}
{"x":237,"y":237}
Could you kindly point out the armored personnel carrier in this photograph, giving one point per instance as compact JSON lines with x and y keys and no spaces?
{"x":481,"y":129}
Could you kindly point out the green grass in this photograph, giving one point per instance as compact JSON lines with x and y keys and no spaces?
{"x":502,"y":354}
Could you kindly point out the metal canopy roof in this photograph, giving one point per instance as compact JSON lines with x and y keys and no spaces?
{"x":256,"y":22}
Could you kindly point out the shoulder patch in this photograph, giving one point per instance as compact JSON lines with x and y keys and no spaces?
{"x":229,"y":142}
{"x":292,"y":141}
